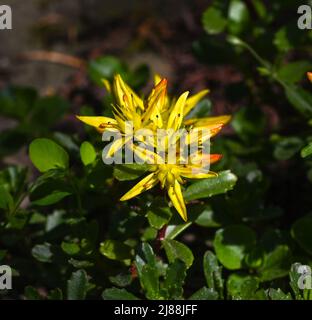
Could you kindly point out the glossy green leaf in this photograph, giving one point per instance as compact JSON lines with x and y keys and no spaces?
{"x":70,"y":248}
{"x":45,"y":154}
{"x":204,"y":188}
{"x":300,"y":99}
{"x":115,"y":250}
{"x":158,"y":216}
{"x":118,"y":294}
{"x":77,"y":285}
{"x":174,"y":279}
{"x":42,"y":252}
{"x":177,"y":250}
{"x":293,"y":72}
{"x":306,"y":151}
{"x":54,"y":197}
{"x":213,"y":273}
{"x":278,"y":294}
{"x":150,"y":282}
{"x":242,"y":286}
{"x":87,"y":153}
{"x":125,"y":172}
{"x":232,"y":243}
{"x":204,"y":294}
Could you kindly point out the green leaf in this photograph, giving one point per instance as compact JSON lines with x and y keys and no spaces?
{"x":286,"y":38}
{"x":174,"y":279}
{"x":105,"y":68}
{"x":276,"y":256}
{"x":45,"y":154}
{"x":301,"y":231}
{"x":118,"y":294}
{"x":242,"y":286}
{"x":79,"y":264}
{"x":77,"y":285}
{"x":278,"y":294}
{"x":300,"y":99}
{"x":213,"y":273}
{"x":238,"y":16}
{"x":125,"y":172}
{"x":173,"y":230}
{"x":6,"y":200}
{"x":204,"y":188}
{"x":87,"y":153}
{"x":293,"y":72}
{"x":177,"y":250}
{"x":204,"y":294}
{"x":121,"y":279}
{"x":294,"y":276}
{"x":286,"y":148}
{"x":306,"y":151}
{"x":70,"y":248}
{"x":249,"y":122}
{"x":55,"y":294}
{"x":115,"y":250}
{"x":149,"y":254}
{"x":276,"y":263}
{"x":150,"y":282}
{"x":232,"y":243}
{"x":54,"y":197}
{"x":42,"y":252}
{"x":158,"y":216}
{"x":213,"y":21}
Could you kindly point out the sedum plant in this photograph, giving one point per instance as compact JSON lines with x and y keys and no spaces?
{"x":131,"y":113}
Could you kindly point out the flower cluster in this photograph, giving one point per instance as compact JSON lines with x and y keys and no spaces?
{"x":159,"y":112}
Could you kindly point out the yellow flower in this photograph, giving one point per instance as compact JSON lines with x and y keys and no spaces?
{"x":170,"y":176}
{"x":158,"y":111}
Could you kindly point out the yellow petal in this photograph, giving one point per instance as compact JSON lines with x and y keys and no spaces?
{"x":147,"y":155}
{"x":155,"y":104}
{"x":122,"y":90}
{"x":101,"y":123}
{"x":209,"y":121}
{"x":157,"y":79}
{"x":116,"y":145}
{"x":107,"y":85}
{"x":197,"y":159}
{"x":176,"y":115}
{"x":192,"y":172}
{"x":175,"y":194}
{"x":145,"y":184}
{"x":192,"y":101}
{"x":202,"y":134}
